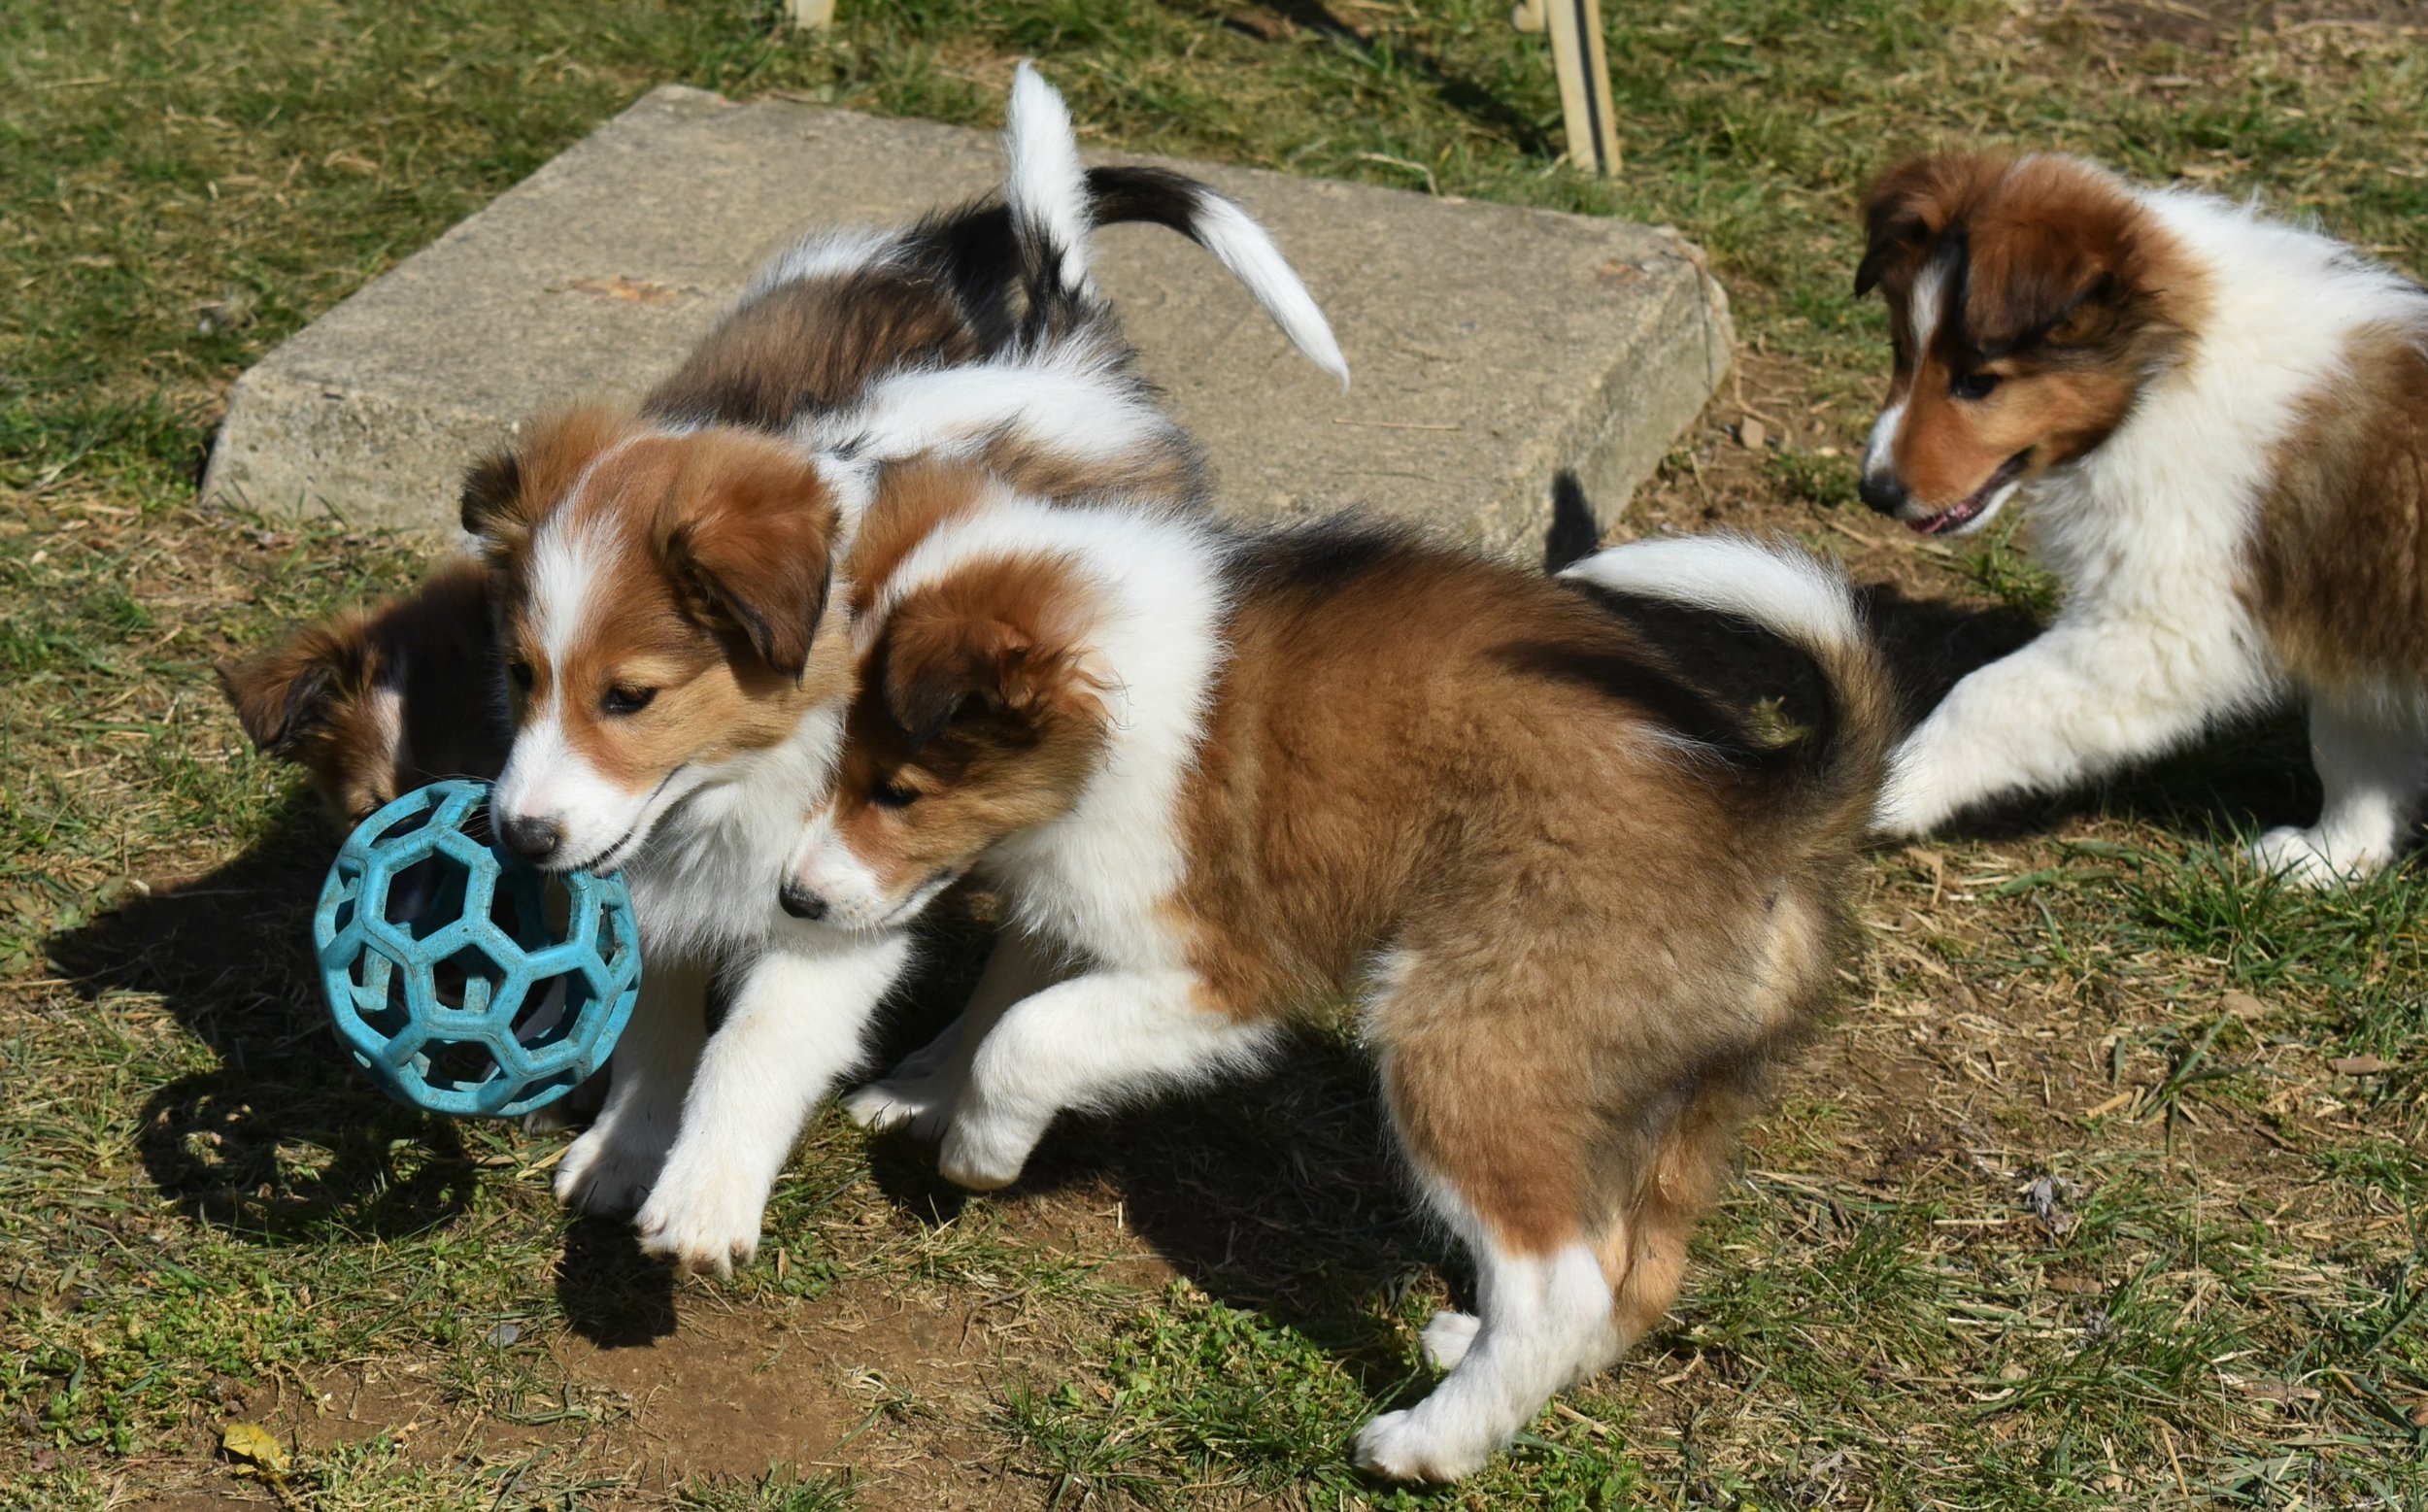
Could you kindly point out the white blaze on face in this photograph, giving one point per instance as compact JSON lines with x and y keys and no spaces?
{"x":1880,"y":453}
{"x":388,"y":717}
{"x":1922,"y":318}
{"x":547,"y":778}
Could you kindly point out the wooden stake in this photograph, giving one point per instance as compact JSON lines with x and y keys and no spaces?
{"x":1576,"y":54}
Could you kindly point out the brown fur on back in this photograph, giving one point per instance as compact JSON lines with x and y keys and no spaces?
{"x":2338,"y":569}
{"x":1414,"y":758}
{"x":813,"y":344}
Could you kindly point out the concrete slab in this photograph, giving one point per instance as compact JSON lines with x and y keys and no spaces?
{"x":1491,"y":346}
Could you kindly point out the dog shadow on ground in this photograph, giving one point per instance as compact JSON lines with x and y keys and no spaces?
{"x":1275,"y":1193}
{"x":286,"y":1142}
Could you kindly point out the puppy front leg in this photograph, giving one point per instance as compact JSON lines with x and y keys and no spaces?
{"x":609,"y":1169}
{"x":1087,"y":1042}
{"x":918,"y":1093}
{"x":793,"y":1032}
{"x":2082,"y":700}
{"x":2372,"y":762}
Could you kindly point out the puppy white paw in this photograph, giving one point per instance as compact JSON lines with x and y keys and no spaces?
{"x":609,"y":1170}
{"x":1406,"y":1446}
{"x":1446,"y":1338}
{"x":986,"y":1153}
{"x":1891,"y":820}
{"x":552,"y":1118}
{"x":921,"y":1105}
{"x":704,"y":1215}
{"x":1910,"y":804}
{"x":2302,"y":856}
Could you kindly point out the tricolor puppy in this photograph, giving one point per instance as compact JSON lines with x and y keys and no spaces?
{"x":2220,"y":424}
{"x":673,"y":588}
{"x":841,"y":309}
{"x":1583,"y":906}
{"x":373,"y":703}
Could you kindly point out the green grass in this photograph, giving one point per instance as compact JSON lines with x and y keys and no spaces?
{"x":2215,"y":1296}
{"x":778,"y":1490}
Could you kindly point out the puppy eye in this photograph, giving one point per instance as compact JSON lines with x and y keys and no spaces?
{"x":895,"y":795}
{"x":1973,"y":386}
{"x":520,"y":672}
{"x":628,"y":700}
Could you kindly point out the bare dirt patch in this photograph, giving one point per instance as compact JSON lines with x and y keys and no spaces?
{"x":869,"y":1380}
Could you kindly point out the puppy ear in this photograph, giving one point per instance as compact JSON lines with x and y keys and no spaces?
{"x":749,"y":543}
{"x":283,"y":697}
{"x":2036,"y":285}
{"x":937,"y":666}
{"x":1911,"y":204}
{"x":506,"y":493}
{"x":493,"y":491}
{"x":998,"y":656}
{"x":2053,"y":261}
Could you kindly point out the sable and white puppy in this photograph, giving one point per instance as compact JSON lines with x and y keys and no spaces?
{"x":2220,"y":423}
{"x":372,"y":703}
{"x":673,"y":586}
{"x":1583,"y":906}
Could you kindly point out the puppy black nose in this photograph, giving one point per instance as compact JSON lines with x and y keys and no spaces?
{"x":532,"y":839}
{"x":1883,"y":492}
{"x":799,"y":902}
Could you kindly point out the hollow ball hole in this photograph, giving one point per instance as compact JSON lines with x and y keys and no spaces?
{"x":553,"y":1008}
{"x":467,"y":980}
{"x":380,"y":998}
{"x":456,"y":1066}
{"x":428,"y":896}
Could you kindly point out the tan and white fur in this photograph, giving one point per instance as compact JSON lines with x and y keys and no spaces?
{"x":1583,"y":909}
{"x":373,"y":703}
{"x":675,"y":590}
{"x":2219,"y":422}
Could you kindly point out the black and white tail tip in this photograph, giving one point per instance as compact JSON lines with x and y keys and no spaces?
{"x":1054,"y":202}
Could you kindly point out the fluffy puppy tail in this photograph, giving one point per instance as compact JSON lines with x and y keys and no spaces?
{"x":1046,"y":189}
{"x":1810,"y":604}
{"x":1055,"y":203}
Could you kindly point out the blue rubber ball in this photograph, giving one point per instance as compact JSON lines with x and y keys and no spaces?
{"x":462,"y":978}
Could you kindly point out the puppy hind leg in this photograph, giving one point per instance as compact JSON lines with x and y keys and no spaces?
{"x":1545,"y":1321}
{"x":2373,"y":762}
{"x":1542,"y":1320}
{"x":1643,"y":1255}
{"x":1501,"y":1168}
{"x":1448,"y":1337}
